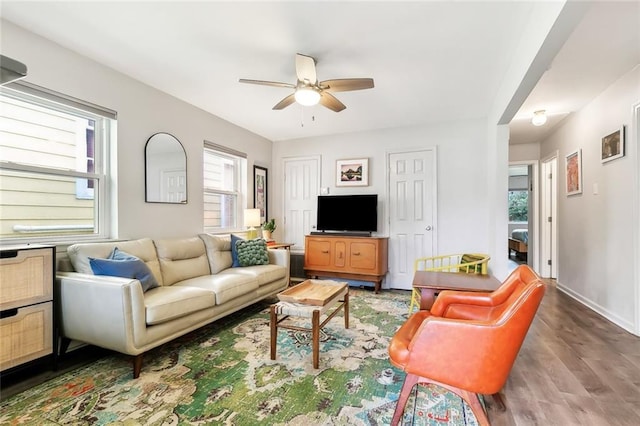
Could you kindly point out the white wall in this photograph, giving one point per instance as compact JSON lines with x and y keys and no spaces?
{"x":142,"y":111}
{"x":524,"y":152}
{"x":462,"y":192}
{"x":547,"y":29}
{"x":595,"y":231}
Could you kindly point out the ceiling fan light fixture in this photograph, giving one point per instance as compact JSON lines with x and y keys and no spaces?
{"x":307,"y":96}
{"x":539,"y":118}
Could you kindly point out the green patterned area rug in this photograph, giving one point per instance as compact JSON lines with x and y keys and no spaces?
{"x":221,"y":374}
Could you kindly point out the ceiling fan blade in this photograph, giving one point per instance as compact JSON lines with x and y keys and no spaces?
{"x":306,"y":68}
{"x":285,"y":102}
{"x":268,"y":83}
{"x":346,"y":84}
{"x":331,"y":102}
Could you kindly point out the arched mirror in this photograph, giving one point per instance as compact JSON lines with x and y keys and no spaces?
{"x":165,"y":170}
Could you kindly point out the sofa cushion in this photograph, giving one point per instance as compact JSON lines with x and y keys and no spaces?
{"x":234,"y":250}
{"x":143,"y":249}
{"x":218,"y":251}
{"x":252,"y":252}
{"x":265,"y":274}
{"x":226,"y":286}
{"x":181,"y":259}
{"x":166,"y":303}
{"x":121,"y":264}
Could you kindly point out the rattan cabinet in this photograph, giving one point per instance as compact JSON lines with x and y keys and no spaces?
{"x":26,"y":304}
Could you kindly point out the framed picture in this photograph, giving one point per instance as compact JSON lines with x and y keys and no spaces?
{"x":573,"y":165}
{"x":613,"y":145}
{"x":352,"y":172}
{"x":260,"y":192}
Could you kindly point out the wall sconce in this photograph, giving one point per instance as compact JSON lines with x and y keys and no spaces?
{"x":539,"y":118}
{"x":251,"y":220}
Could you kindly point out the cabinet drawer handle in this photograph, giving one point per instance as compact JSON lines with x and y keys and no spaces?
{"x":6,"y":254}
{"x":356,"y":253}
{"x":325,"y":251}
{"x":9,"y":313}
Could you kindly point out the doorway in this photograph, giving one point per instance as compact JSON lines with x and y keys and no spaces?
{"x":520,"y":203}
{"x":412,"y":212}
{"x":523,"y":216}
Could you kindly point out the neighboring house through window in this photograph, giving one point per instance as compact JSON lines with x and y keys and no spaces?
{"x":223,"y":187}
{"x":53,"y":165}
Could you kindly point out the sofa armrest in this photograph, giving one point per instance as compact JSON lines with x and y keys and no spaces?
{"x":280,"y":257}
{"x":102,"y":310}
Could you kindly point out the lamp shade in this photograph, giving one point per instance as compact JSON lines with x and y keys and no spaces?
{"x":307,"y":96}
{"x":252,"y":217}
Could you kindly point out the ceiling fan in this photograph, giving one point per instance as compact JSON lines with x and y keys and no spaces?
{"x":308,"y":91}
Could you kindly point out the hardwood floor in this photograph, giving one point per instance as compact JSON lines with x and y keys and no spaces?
{"x":574,"y":368}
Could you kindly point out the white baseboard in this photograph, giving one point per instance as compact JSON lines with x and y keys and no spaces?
{"x":610,"y":316}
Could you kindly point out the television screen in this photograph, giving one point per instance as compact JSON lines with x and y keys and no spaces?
{"x":350,"y":213}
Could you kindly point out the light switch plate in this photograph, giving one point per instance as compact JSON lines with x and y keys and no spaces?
{"x":324,"y":191}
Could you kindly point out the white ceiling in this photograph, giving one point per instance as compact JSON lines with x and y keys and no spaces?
{"x":431,"y":61}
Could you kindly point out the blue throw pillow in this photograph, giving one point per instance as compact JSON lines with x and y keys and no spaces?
{"x":234,"y":250}
{"x":125,"y":266}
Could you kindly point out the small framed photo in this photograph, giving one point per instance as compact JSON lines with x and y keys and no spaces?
{"x":352,"y":172}
{"x":260,"y":192}
{"x":613,"y":145}
{"x":573,"y":166}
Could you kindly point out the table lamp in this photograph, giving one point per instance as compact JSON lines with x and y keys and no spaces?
{"x":251,"y":220}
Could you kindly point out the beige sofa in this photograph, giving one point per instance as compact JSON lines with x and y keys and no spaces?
{"x":197,"y":285}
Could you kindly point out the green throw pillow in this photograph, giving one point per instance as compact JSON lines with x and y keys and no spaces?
{"x":252,"y":252}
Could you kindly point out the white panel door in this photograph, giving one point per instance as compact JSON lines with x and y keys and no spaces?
{"x":412,"y":217}
{"x":301,"y":185}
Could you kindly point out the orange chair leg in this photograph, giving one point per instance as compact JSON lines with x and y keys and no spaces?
{"x":409,"y":382}
{"x":499,"y":401}
{"x":472,"y":399}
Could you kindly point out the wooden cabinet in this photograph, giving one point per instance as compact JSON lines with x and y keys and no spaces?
{"x":26,"y":304}
{"x":356,"y":258}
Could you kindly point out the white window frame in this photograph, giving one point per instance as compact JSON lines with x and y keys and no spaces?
{"x":104,"y":135}
{"x":239,"y":184}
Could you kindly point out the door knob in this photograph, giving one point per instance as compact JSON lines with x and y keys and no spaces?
{"x":428,"y":228}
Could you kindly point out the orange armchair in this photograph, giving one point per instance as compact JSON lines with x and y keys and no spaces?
{"x":469,"y":341}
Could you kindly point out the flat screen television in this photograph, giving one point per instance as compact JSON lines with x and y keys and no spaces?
{"x":348,"y":213}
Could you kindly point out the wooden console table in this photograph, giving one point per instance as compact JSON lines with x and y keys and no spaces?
{"x":431,"y":283}
{"x":346,"y":257}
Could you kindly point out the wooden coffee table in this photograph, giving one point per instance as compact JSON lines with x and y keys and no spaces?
{"x":309,"y":299}
{"x":431,"y":283}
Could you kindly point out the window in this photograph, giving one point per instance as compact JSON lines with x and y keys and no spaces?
{"x":223,"y":188}
{"x":518,"y":206}
{"x":53,"y":165}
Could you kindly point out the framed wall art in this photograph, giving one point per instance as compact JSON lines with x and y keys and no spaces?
{"x":352,"y":172}
{"x":612,"y":146}
{"x":573,"y":167}
{"x":260,"y":192}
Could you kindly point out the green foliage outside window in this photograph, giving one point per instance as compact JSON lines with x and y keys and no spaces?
{"x":518,"y":206}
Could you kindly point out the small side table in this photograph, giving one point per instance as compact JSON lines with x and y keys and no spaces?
{"x":430,"y":283}
{"x":286,"y":246}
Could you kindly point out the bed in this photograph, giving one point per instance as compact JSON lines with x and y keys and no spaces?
{"x":518,"y":243}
